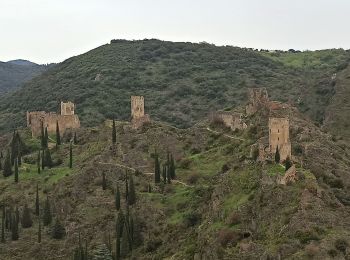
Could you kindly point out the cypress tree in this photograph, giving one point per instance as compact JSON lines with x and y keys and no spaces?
{"x":1,"y":155}
{"x":124,"y":247}
{"x":19,"y":158}
{"x":70,"y":155}
{"x":114,"y":133}
{"x":17,"y":215}
{"x":47,"y":217}
{"x":48,"y":159}
{"x":16,"y":171}
{"x":117,"y":247}
{"x":172,"y":167}
{"x":0,"y":165}
{"x":38,"y":163}
{"x":277,"y":155}
{"x":42,"y":137}
{"x":37,"y":203}
{"x":126,"y":186}
{"x":46,"y":138}
{"x":26,"y":218}
{"x":58,"y":231}
{"x":43,"y":159}
{"x":168,"y":176}
{"x":7,"y":165}
{"x":104,"y":182}
{"x":120,"y":223}
{"x":14,"y":148}
{"x":3,"y":225}
{"x":14,"y":228}
{"x":39,"y":230}
{"x":164,"y":173}
{"x":117,"y":199}
{"x":132,"y":193}
{"x":156,"y":168}
{"x":75,"y":139}
{"x":58,"y":135}
{"x":149,"y":188}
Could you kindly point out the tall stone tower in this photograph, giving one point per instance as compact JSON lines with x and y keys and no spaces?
{"x":67,"y":109}
{"x":257,"y":99}
{"x":137,"y":107}
{"x":279,"y":136}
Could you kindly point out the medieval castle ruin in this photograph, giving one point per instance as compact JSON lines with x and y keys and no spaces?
{"x":66,"y":120}
{"x":138,"y":116}
{"x":229,"y":119}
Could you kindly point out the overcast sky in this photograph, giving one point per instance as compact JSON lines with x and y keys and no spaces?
{"x":47,"y":31}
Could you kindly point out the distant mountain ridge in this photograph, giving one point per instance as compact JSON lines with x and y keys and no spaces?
{"x":16,"y":72}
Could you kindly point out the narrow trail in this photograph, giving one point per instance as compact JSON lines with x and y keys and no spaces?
{"x":226,"y":135}
{"x":146,"y":173}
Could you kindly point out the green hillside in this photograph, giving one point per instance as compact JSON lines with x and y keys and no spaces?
{"x":181,"y":82}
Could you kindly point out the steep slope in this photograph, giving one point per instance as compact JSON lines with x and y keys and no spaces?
{"x":181,"y":82}
{"x":222,"y":205}
{"x":15,"y":73}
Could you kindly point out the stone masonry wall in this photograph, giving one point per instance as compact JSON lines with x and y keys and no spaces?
{"x":279,"y":136}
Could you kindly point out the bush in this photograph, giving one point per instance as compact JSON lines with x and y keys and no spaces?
{"x":152,"y":244}
{"x":184,"y":163}
{"x":341,"y":244}
{"x":311,"y":250}
{"x":58,"y":231}
{"x":227,"y":237}
{"x":193,"y":178}
{"x":233,"y":219}
{"x":191,"y":219}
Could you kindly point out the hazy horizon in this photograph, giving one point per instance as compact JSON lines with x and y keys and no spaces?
{"x":49,"y":31}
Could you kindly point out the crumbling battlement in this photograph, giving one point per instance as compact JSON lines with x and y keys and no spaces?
{"x":257,"y":99}
{"x":66,"y":120}
{"x":229,"y":119}
{"x":138,"y":116}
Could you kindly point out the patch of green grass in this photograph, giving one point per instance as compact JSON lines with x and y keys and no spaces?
{"x":275,"y":169}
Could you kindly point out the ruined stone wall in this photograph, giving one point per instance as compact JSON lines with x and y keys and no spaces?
{"x":67,"y":109}
{"x":279,"y":136}
{"x":257,"y":99}
{"x":229,"y":119}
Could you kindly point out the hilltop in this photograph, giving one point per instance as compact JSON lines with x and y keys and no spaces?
{"x":16,"y":72}
{"x":182,"y":82}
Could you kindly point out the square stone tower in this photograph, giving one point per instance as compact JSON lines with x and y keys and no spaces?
{"x":257,"y":99}
{"x":137,"y":107}
{"x":67,"y":109}
{"x":279,"y":136}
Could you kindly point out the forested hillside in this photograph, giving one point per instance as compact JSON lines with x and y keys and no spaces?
{"x":181,"y":82}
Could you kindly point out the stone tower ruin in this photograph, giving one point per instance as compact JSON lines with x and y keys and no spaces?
{"x":257,"y":99}
{"x":67,"y":109}
{"x":138,"y":116}
{"x":279,"y":137}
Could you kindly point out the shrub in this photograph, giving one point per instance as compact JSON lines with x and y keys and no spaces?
{"x":228,"y":237}
{"x":233,"y":219}
{"x":191,"y":219}
{"x":311,"y":250}
{"x":193,"y":178}
{"x":341,"y":244}
{"x":184,"y":163}
{"x":152,"y":244}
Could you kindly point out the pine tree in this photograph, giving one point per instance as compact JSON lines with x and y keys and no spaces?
{"x":70,"y":155}
{"x":14,"y":228}
{"x":0,"y":165}
{"x":38,"y":163}
{"x":132,"y":193}
{"x":58,"y":135}
{"x":117,"y":199}
{"x":19,"y":156}
{"x":117,"y":247}
{"x":156,"y":168}
{"x":149,"y":188}
{"x":3,"y":225}
{"x":42,"y":137}
{"x":26,"y":218}
{"x":120,"y":223}
{"x":16,"y":171}
{"x":47,"y":217}
{"x":7,"y":165}
{"x":58,"y":231}
{"x":164,"y":173}
{"x":288,"y":163}
{"x":39,"y":230}
{"x":168,"y":176}
{"x":48,"y":159}
{"x":126,"y":186}
{"x":75,"y":139}
{"x":114,"y":133}
{"x":46,"y":138}
{"x":37,"y":202}
{"x":277,"y":155}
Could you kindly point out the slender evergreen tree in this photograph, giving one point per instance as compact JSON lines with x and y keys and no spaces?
{"x":16,"y":171}
{"x":156,"y":168}
{"x":164,"y":173}
{"x":48,"y":159}
{"x":117,"y":246}
{"x":149,"y":188}
{"x":114,"y":133}
{"x":120,"y":223}
{"x":38,"y":163}
{"x":42,"y":136}
{"x":70,"y":156}
{"x":277,"y":155}
{"x":132,"y":193}
{"x":58,"y":135}
{"x":37,"y":201}
{"x":14,"y":228}
{"x":172,"y":167}
{"x":288,"y":163}
{"x":168,"y":175}
{"x":124,"y":247}
{"x":19,"y":156}
{"x":126,"y":186}
{"x":47,"y":217}
{"x":58,"y":231}
{"x":39,"y":229}
{"x":0,"y":165}
{"x":117,"y":198}
{"x":75,"y":139}
{"x":7,"y":165}
{"x":3,"y":225}
{"x":26,"y":218}
{"x":43,"y":159}
{"x":46,"y":138}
